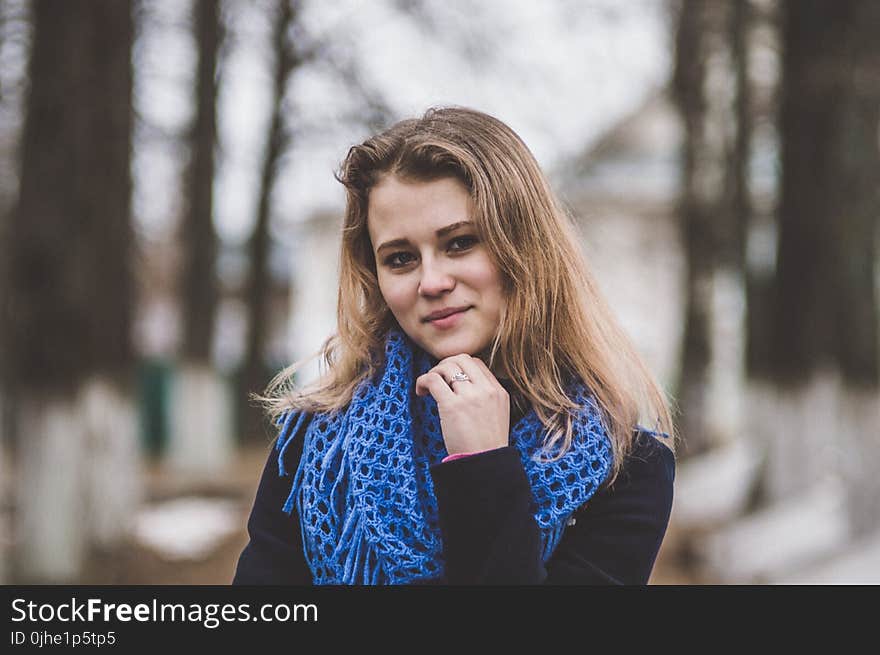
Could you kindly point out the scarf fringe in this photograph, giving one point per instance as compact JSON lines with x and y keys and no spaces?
{"x":285,"y":437}
{"x":358,"y":554}
{"x":340,"y":448}
{"x":554,"y":536}
{"x":353,"y":544}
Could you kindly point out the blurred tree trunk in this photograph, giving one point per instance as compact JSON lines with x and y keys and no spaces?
{"x":740,"y":154}
{"x":201,"y":419}
{"x":737,"y":221}
{"x":199,"y":283}
{"x":730,"y":116}
{"x":67,"y":344}
{"x":825,"y":310}
{"x":4,"y":394}
{"x":256,"y":373}
{"x":695,"y":207}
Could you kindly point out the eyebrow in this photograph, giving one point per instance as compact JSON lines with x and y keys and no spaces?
{"x":443,"y":231}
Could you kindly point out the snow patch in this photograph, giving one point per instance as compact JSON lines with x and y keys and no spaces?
{"x":187,"y":528}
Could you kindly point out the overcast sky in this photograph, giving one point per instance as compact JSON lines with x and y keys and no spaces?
{"x":558,"y":72}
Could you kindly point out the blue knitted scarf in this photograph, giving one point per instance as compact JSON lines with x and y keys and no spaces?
{"x":363,"y":489}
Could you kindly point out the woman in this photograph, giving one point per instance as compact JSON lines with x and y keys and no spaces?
{"x":477,"y":422}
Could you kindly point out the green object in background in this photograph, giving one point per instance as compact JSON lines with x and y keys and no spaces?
{"x":154,"y":378}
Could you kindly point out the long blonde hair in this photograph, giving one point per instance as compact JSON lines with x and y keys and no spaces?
{"x":555,"y":324}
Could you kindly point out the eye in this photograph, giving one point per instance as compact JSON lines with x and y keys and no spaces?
{"x":397,"y":259}
{"x":462,"y":243}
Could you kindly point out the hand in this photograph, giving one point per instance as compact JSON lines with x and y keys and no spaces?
{"x":474,"y":414}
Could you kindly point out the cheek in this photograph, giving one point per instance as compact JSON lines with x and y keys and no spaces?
{"x":487,"y":278}
{"x":396,"y":293}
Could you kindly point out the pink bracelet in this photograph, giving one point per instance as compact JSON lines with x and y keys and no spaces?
{"x":450,"y":458}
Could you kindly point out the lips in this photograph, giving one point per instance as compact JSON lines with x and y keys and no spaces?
{"x":443,"y":313}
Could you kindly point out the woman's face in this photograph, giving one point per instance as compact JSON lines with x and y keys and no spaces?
{"x":434,"y":273}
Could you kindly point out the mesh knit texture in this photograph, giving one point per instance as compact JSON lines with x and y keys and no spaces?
{"x":363,"y":489}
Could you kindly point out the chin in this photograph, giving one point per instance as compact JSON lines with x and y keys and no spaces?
{"x":444,"y":349}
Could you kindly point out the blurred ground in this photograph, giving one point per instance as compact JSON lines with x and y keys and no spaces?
{"x":139,"y":564}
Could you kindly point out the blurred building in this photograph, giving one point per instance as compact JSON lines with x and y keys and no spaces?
{"x":622,"y":191}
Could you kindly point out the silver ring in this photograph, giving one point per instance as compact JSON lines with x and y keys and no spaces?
{"x":461,"y":376}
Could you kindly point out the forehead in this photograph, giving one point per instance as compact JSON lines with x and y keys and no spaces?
{"x":404,"y":209}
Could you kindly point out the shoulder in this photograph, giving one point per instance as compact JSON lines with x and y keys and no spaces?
{"x":644,"y":484}
{"x":649,"y":468}
{"x":650,"y":453}
{"x":617,"y":534}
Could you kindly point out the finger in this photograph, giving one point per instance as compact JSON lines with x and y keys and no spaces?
{"x":453,"y":366}
{"x":433,"y":383}
{"x":448,"y":371}
{"x":468,"y":365}
{"x":484,"y":368}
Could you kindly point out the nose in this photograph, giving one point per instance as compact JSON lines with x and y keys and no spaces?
{"x":435,"y":279}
